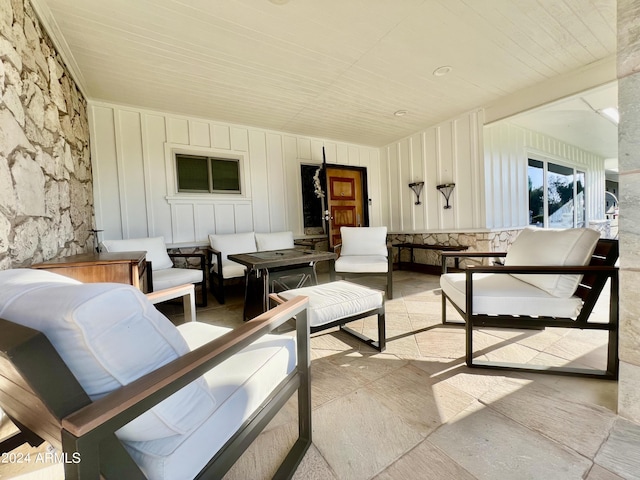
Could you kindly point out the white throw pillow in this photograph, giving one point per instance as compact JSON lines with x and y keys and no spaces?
{"x":274,"y":241}
{"x":154,"y":246}
{"x":108,"y":334}
{"x":542,"y":246}
{"x":364,"y":241}
{"x":231,"y":243}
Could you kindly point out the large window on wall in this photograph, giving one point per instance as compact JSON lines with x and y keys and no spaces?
{"x":203,"y":174}
{"x":556,"y":195}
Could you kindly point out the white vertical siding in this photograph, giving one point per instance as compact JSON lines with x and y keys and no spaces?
{"x":507,"y":150}
{"x":134,"y":177}
{"x":449,"y":152}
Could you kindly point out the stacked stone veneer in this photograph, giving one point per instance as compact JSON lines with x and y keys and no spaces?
{"x":498,"y":241}
{"x":629,"y":225}
{"x":46,"y":198}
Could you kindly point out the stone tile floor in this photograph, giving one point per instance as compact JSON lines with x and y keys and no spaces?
{"x":417,"y":412}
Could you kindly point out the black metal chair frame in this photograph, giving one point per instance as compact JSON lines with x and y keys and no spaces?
{"x":380,"y":344}
{"x":595,"y":275}
{"x":388,"y":275}
{"x":216,"y":279}
{"x":42,"y":397}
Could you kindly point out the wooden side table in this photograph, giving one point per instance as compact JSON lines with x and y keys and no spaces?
{"x":123,"y":267}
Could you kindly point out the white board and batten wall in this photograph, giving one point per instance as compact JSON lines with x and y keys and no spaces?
{"x":508,"y":148}
{"x":488,"y":165}
{"x":135,"y":190}
{"x":450,"y":152}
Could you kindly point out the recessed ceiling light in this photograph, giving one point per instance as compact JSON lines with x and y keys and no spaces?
{"x":400,"y":113}
{"x":442,"y":71}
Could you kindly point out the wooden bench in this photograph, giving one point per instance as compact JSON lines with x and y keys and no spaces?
{"x":421,"y":246}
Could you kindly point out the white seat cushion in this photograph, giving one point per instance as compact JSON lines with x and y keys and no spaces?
{"x":240,"y":384}
{"x":108,"y":334}
{"x":233,"y":271}
{"x":362,"y":264}
{"x":154,"y":246}
{"x":231,"y":243}
{"x":172,"y":277}
{"x":503,"y":294}
{"x":333,"y":301}
{"x":274,"y":241}
{"x":540,"y":246}
{"x":364,"y":241}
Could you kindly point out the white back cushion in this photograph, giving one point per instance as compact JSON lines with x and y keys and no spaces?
{"x":154,"y":246}
{"x":108,"y":334}
{"x":364,"y":241}
{"x":540,"y":246}
{"x":274,"y":241}
{"x":231,"y":243}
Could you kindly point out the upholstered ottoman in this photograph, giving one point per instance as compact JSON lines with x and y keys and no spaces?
{"x":335,"y":304}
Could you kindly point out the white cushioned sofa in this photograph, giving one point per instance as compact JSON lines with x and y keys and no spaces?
{"x":223,"y":245}
{"x":205,"y":391}
{"x":550,"y":278}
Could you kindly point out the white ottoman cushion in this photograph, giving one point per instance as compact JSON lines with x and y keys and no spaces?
{"x":334,"y":301}
{"x":503,"y":294}
{"x":240,"y":384}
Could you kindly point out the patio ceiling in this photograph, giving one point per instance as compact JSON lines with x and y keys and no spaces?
{"x":335,"y":69}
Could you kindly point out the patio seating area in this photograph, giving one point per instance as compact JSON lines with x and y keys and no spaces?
{"x":416,"y":411}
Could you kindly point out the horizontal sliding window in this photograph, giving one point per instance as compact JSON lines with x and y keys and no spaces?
{"x":202,"y":174}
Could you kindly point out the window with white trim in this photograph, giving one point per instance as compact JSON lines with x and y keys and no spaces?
{"x":556,"y":195}
{"x":205,"y":174}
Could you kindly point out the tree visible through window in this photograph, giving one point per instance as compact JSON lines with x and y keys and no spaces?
{"x":556,"y":195}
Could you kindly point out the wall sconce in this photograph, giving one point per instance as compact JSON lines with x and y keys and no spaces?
{"x":445,"y":190}
{"x":417,"y":189}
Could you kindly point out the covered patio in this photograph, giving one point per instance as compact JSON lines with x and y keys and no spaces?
{"x":80,"y":164}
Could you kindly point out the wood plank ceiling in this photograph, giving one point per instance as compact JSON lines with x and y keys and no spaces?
{"x":336,"y":69}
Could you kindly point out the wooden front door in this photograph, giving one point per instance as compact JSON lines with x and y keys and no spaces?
{"x":346,"y":200}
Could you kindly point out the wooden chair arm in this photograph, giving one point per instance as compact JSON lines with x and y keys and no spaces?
{"x":277,"y":298}
{"x":109,"y":413}
{"x":170,"y":293}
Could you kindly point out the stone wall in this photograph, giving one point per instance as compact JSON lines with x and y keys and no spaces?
{"x":497,"y":241}
{"x":46,"y":197}
{"x":629,"y":223}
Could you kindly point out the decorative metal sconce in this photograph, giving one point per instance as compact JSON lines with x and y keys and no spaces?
{"x":445,"y":190}
{"x":417,"y":189}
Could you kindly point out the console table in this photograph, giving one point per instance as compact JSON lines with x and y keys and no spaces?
{"x":421,"y":246}
{"x":124,"y":267}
